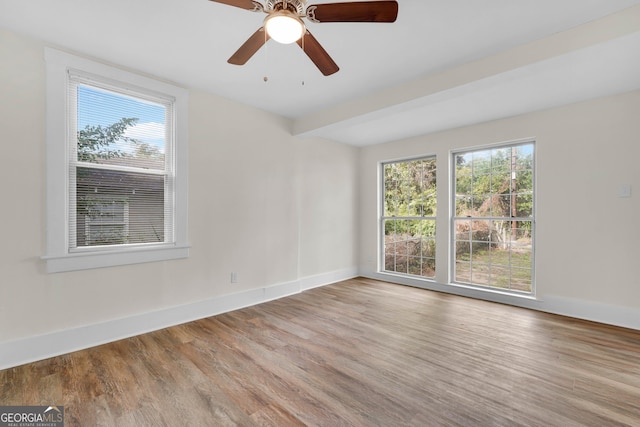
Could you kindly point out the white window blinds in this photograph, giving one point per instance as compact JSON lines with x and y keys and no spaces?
{"x":121,"y":173}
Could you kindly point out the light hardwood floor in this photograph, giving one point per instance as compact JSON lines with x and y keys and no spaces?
{"x":356,"y":353}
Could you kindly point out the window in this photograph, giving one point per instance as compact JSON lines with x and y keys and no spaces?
{"x":106,"y":222}
{"x":116,"y":166}
{"x":493,"y":223}
{"x":408,"y":221}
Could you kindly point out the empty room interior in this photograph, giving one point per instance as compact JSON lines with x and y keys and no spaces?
{"x":402,"y":213}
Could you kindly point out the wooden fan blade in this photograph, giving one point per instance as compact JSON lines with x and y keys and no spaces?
{"x":365,"y":11}
{"x":249,"y":48}
{"x":243,"y":4}
{"x":317,"y":54}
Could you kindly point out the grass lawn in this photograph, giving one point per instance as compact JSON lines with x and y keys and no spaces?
{"x":496,"y":268}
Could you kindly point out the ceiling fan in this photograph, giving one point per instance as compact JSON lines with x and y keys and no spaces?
{"x":284,"y":24}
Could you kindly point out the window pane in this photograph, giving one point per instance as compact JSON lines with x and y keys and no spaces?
{"x":115,"y":207}
{"x":480,"y":183}
{"x":463,"y":205}
{"x":410,"y":247}
{"x":480,"y":273}
{"x":105,"y":234}
{"x":481,"y":205}
{"x":501,"y":160}
{"x":481,"y":230}
{"x":520,"y":279}
{"x":481,"y":162}
{"x":500,"y":276}
{"x":500,"y":182}
{"x":524,"y":205}
{"x":410,"y":192}
{"x":524,"y":157}
{"x":495,"y":252}
{"x":463,"y":229}
{"x":114,"y":129}
{"x":503,"y":205}
{"x":463,"y":272}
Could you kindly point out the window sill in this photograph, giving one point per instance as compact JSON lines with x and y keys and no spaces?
{"x":86,"y":261}
{"x":496,"y":291}
{"x":480,"y":292}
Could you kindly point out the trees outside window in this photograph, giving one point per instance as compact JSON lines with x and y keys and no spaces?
{"x":492,"y":225}
{"x":122,"y":177}
{"x":116,"y":166}
{"x":494,"y":217}
{"x":408,"y":220}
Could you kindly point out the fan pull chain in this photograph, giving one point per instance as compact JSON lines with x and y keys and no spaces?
{"x":303,"y":34}
{"x":266,"y":54}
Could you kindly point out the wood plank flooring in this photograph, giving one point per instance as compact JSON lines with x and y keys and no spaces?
{"x":357,"y":353}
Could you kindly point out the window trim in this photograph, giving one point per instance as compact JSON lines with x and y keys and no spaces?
{"x":58,"y":258}
{"x":453,"y":218}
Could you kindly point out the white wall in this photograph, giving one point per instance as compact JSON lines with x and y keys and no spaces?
{"x":261,"y":203}
{"x":587,"y":238}
{"x":288,"y":214}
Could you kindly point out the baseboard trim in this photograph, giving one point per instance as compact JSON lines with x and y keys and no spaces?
{"x":609,"y":314}
{"x":31,"y":349}
{"x":311,"y":282}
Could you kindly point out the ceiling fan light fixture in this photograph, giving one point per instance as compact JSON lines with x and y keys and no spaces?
{"x":284,"y":27}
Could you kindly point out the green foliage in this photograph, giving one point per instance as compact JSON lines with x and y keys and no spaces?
{"x":496,"y":182}
{"x":147,"y":151}
{"x":94,"y":144}
{"x":94,"y":141}
{"x":410,"y":191}
{"x":410,"y":208}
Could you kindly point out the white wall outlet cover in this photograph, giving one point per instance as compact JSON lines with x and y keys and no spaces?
{"x":624,"y":190}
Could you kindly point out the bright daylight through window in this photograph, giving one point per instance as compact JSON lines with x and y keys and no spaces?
{"x":408,"y":222}
{"x":121,"y":168}
{"x":116,"y":166}
{"x":493,"y":225}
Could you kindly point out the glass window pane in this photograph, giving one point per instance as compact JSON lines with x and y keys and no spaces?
{"x":463,"y":272}
{"x":524,"y":181}
{"x":429,"y":267}
{"x":410,"y":191}
{"x":500,"y":276}
{"x":114,"y":129}
{"x":480,"y":230}
{"x":463,"y":185}
{"x":521,"y":279}
{"x":428,"y":247}
{"x":501,"y":160}
{"x":481,"y":205}
{"x":415,"y":266}
{"x":463,"y":206}
{"x":497,"y":183}
{"x":481,"y":183}
{"x":524,"y":157}
{"x":501,"y":182}
{"x":524,"y":205}
{"x":480,"y":273}
{"x":481,"y":162}
{"x":132,"y":201}
{"x":502,"y":205}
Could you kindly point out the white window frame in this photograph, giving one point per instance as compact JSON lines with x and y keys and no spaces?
{"x":453,"y":218}
{"x":58,"y":256}
{"x":382,"y":218}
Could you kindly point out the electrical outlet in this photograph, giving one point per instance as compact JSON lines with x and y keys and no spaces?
{"x":624,"y":190}
{"x":234,"y":277}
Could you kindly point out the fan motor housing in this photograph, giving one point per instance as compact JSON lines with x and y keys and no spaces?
{"x":295,"y":6}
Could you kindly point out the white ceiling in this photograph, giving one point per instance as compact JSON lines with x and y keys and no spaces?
{"x":442,"y":64}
